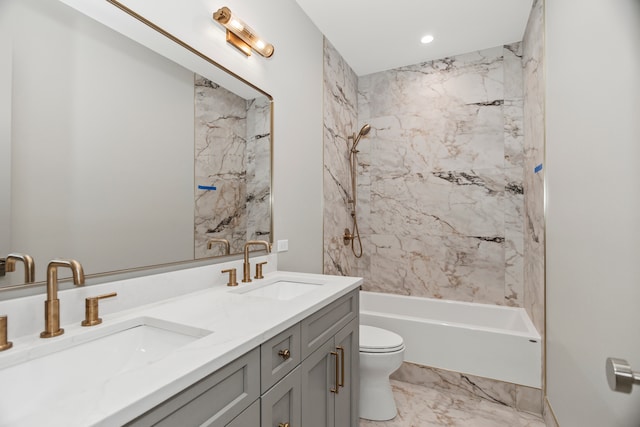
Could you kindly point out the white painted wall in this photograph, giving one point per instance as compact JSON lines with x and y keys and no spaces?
{"x":593,"y":205}
{"x":292,"y":76}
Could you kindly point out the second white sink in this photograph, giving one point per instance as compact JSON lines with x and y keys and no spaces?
{"x":281,"y":290}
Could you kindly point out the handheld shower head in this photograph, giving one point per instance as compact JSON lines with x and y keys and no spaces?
{"x":363,"y":131}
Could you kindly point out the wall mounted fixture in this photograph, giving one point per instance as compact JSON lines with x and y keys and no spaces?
{"x":240,"y":35}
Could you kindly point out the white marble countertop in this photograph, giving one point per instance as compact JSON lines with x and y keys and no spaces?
{"x":238,"y":323}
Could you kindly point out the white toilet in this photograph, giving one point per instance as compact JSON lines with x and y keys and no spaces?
{"x":381,"y":353}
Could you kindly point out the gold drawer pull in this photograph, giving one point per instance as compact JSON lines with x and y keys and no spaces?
{"x":336,"y":390}
{"x":341,"y":350}
{"x":285,"y":354}
{"x":283,"y":425}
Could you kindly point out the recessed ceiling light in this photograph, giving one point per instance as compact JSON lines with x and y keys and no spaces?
{"x":427,"y":39}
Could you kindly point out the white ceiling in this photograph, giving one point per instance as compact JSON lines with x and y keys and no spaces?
{"x":377,"y":35}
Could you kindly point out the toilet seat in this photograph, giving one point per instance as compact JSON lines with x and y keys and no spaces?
{"x":377,"y":340}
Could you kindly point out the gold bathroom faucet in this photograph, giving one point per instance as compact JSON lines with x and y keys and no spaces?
{"x":29,"y":266}
{"x":52,"y":304}
{"x":246,"y":267}
{"x":224,"y":242}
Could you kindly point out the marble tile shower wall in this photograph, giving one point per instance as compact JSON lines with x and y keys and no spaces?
{"x":445,"y":172}
{"x":340,"y":103}
{"x":232,"y":153}
{"x":440,"y":179}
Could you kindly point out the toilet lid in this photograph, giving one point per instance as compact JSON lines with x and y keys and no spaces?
{"x":377,"y":340}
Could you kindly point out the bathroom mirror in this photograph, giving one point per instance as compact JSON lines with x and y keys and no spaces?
{"x":110,"y":152}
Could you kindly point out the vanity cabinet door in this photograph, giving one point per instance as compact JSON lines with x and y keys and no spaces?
{"x":347,"y":400}
{"x":317,"y":377}
{"x":280,"y":406}
{"x":330,"y":381}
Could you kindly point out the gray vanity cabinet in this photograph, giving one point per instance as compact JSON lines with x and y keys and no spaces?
{"x":287,"y":381}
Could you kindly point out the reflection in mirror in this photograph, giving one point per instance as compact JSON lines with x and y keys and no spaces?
{"x":100,"y":133}
{"x":232,"y":155}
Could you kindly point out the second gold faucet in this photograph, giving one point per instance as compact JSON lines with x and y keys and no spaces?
{"x":246,"y":267}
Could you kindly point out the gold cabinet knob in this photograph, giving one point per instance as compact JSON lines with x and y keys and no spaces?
{"x":283,"y":425}
{"x":232,"y":277}
{"x":285,"y":354}
{"x":91,"y":309}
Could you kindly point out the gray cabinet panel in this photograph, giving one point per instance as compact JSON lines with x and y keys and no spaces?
{"x":317,"y":378}
{"x":281,"y":404}
{"x":325,"y":323}
{"x":213,"y":401}
{"x":249,"y":418}
{"x":279,"y":356}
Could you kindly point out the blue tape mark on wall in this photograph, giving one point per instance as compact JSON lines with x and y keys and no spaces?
{"x":206,"y":187}
{"x":537,"y":168}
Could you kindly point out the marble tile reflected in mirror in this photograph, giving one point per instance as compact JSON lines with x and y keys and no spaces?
{"x":232,"y":155}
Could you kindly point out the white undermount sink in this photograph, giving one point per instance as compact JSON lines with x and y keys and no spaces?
{"x":72,"y":363}
{"x":281,"y":290}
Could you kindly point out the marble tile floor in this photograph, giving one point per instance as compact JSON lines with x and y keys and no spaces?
{"x":424,"y":407}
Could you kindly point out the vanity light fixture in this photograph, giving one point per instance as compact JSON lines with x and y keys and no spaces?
{"x":240,"y":35}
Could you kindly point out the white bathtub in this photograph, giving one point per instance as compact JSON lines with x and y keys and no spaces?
{"x":479,"y":339}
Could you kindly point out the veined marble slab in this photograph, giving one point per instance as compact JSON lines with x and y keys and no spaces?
{"x":440,"y":176}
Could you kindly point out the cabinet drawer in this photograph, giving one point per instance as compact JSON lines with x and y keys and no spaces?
{"x":326,"y":322}
{"x":279,"y":356}
{"x":213,"y":401}
{"x":281,"y":404}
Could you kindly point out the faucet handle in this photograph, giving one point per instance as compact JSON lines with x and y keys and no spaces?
{"x":4,"y":344}
{"x":259,"y":270}
{"x":91,"y":309}
{"x":232,"y":277}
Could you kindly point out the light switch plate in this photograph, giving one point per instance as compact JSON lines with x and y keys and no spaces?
{"x":283,"y":245}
